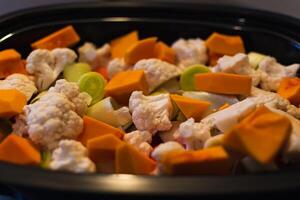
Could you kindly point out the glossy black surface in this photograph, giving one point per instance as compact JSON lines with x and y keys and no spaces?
{"x":264,"y":32}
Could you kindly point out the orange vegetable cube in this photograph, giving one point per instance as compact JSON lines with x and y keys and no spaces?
{"x":10,"y":63}
{"x":11,"y":102}
{"x":164,"y":52}
{"x":121,"y":44}
{"x":213,"y":58}
{"x":289,"y":89}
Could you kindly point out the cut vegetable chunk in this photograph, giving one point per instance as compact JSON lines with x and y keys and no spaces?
{"x":121,"y":44}
{"x":11,"y":102}
{"x":190,"y":107}
{"x":214,"y":160}
{"x":225,"y":44}
{"x":18,"y":150}
{"x":10,"y":63}
{"x":289,"y":89}
{"x":130,"y":161}
{"x":92,"y":83}
{"x":93,"y":128}
{"x":64,"y":37}
{"x":187,"y":79}
{"x":143,"y":49}
{"x":223,"y":83}
{"x":164,"y":52}
{"x":73,"y":72}
{"x":255,"y":58}
{"x":260,"y":135}
{"x":123,"y":84}
{"x":213,"y":58}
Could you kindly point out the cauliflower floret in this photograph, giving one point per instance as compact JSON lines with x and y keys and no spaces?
{"x":141,"y":140}
{"x":71,"y":155}
{"x":238,"y":64}
{"x":272,"y":73}
{"x":164,"y":148}
{"x":150,"y":113}
{"x":46,"y":65}
{"x":100,"y":57}
{"x":167,"y":136}
{"x":157,"y":71}
{"x":115,"y":66}
{"x":123,"y":116}
{"x":21,"y":83}
{"x":190,"y":52}
{"x":81,"y":100}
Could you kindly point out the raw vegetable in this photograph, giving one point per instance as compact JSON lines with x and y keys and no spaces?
{"x":64,"y":37}
{"x":18,"y":150}
{"x":213,"y":58}
{"x":289,"y":89}
{"x":45,"y":159}
{"x":74,"y":71}
{"x":11,"y":102}
{"x":121,"y":44}
{"x":164,"y":52}
{"x":170,"y":86}
{"x":103,"y":71}
{"x":37,"y":97}
{"x":187,"y":80}
{"x":223,"y":83}
{"x":10,"y":63}
{"x":255,"y":58}
{"x":93,"y":84}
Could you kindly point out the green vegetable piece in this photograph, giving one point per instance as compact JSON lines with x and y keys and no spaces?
{"x":73,"y":72}
{"x":46,"y":158}
{"x":37,"y":97}
{"x":171,"y":86}
{"x":92,"y":83}
{"x":255,"y":58}
{"x":187,"y":80}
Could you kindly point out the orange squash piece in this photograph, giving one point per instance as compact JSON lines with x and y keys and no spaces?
{"x":143,"y":49}
{"x":289,"y":89}
{"x":190,"y":107}
{"x":260,"y":135}
{"x":214,"y":160}
{"x":18,"y":150}
{"x":224,"y":106}
{"x":11,"y":102}
{"x":225,"y":44}
{"x":130,"y":161}
{"x":164,"y":52}
{"x":102,"y":151}
{"x":93,"y":128}
{"x":10,"y":63}
{"x":121,"y":44}
{"x":223,"y":83}
{"x":124,"y":83}
{"x":64,"y":37}
{"x":213,"y":58}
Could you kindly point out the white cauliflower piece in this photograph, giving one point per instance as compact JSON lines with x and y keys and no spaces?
{"x":71,"y":155}
{"x":21,"y":83}
{"x":189,"y":52}
{"x":46,"y":65}
{"x":81,"y":100}
{"x":123,"y":116}
{"x":100,"y":57}
{"x":193,"y":135}
{"x":164,"y":148}
{"x":157,"y":71}
{"x":115,"y":66}
{"x":167,"y":136}
{"x":141,"y":140}
{"x":238,"y":64}
{"x":150,"y":113}
{"x":272,"y":73}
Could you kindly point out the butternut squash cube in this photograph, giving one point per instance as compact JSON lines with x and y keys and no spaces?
{"x":289,"y":89}
{"x":164,"y":52}
{"x":213,"y":58}
{"x":121,"y":44}
{"x":11,"y":102}
{"x":10,"y":63}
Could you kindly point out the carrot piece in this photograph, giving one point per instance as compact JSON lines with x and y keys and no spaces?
{"x":261,"y":135}
{"x":18,"y":150}
{"x":124,"y":83}
{"x":214,"y":160}
{"x":64,"y":37}
{"x":121,"y":44}
{"x":225,"y":105}
{"x":143,"y":49}
{"x":11,"y":102}
{"x":190,"y":107}
{"x":93,"y":128}
{"x":223,"y":83}
{"x":289,"y":89}
{"x":102,"y":151}
{"x":130,"y":161}
{"x":225,"y":44}
{"x":213,"y":58}
{"x":10,"y":63}
{"x":102,"y":71}
{"x":164,"y":52}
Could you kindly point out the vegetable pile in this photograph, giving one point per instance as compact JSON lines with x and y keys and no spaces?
{"x":139,"y":106}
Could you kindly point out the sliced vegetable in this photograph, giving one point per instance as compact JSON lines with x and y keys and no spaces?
{"x":180,"y":117}
{"x":93,"y":128}
{"x":103,"y":71}
{"x":10,"y":63}
{"x":164,"y":52}
{"x":213,"y":160}
{"x":18,"y":150}
{"x":121,"y":44}
{"x":225,"y":44}
{"x":124,"y":83}
{"x":64,"y":37}
{"x":260,"y":135}
{"x":213,"y":58}
{"x":37,"y":97}
{"x":187,"y":80}
{"x":289,"y":89}
{"x":93,"y":84}
{"x":45,"y":159}
{"x":223,"y":83}
{"x":11,"y":102}
{"x":170,"y":86}
{"x":73,"y":72}
{"x":130,"y":161}
{"x":255,"y":58}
